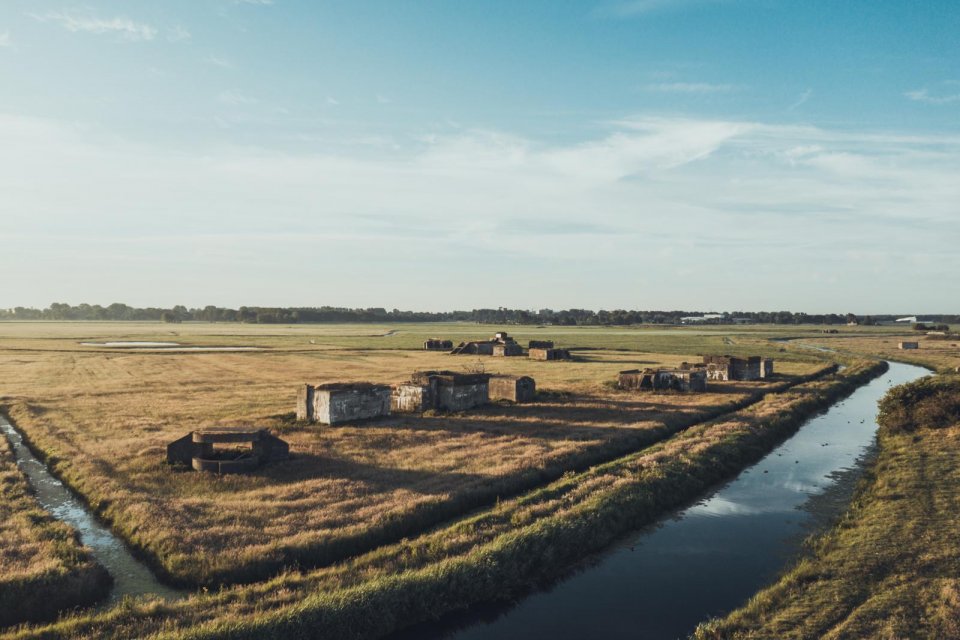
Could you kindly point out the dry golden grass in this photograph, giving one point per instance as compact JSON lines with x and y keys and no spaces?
{"x":104,"y":418}
{"x":495,"y":553}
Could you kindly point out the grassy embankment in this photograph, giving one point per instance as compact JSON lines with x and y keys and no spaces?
{"x":891,"y":567}
{"x":43,"y":567}
{"x":496,"y":554}
{"x":102,"y":419}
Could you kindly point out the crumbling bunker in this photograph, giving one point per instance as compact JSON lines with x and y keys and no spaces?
{"x":250,"y":449}
{"x":441,"y":391}
{"x":337,"y":402}
{"x":513,"y":388}
{"x":693,"y":379}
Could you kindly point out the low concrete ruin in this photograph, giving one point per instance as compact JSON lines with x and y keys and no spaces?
{"x":908,"y":345}
{"x":441,"y":391}
{"x":490,"y":347}
{"x":541,"y":344}
{"x":513,"y":388}
{"x":733,"y":368}
{"x":536,"y":353}
{"x":691,"y":379}
{"x":197,"y":450}
{"x":766,"y":370}
{"x":508,"y":349}
{"x":434,"y":344}
{"x":338,"y":402}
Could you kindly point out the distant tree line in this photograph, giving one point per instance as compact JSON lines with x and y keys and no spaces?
{"x":500,"y":316}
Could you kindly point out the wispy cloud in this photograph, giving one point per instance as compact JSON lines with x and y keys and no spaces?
{"x":804,"y":97}
{"x":121,"y":26}
{"x":236,"y":98}
{"x":217,"y":61}
{"x":262,"y":3}
{"x":923,"y":95}
{"x":332,"y":101}
{"x":178,"y":34}
{"x":690,"y":87}
{"x":5,"y":41}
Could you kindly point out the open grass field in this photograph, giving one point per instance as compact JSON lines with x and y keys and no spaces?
{"x":493,"y":554}
{"x":103,"y":418}
{"x":891,"y":568}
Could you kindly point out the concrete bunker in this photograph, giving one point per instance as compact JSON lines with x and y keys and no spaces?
{"x":692,"y":379}
{"x":728,"y":367}
{"x":906,"y":345}
{"x":441,"y":391}
{"x":549,"y":353}
{"x":246,"y":450}
{"x":500,"y":344}
{"x":435,"y":344}
{"x":540,"y":344}
{"x":513,"y":388}
{"x":337,"y":402}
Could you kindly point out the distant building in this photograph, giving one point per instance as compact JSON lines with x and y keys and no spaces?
{"x":541,"y":344}
{"x":507,"y":349}
{"x":434,"y":344}
{"x":487,"y":347}
{"x":909,"y":345}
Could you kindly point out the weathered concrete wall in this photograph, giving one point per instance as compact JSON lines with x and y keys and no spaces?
{"x":197,"y":450}
{"x":462,"y":397}
{"x":508,"y":349}
{"x":435,"y":344}
{"x":733,"y":368}
{"x":909,"y":345}
{"x":661,"y":379}
{"x":767,"y":370}
{"x":412,"y":398}
{"x":541,"y":344}
{"x":348,"y":403}
{"x":513,"y":388}
{"x":305,"y":403}
{"x":548,"y":354}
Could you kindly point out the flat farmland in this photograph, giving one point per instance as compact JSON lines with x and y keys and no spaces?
{"x":103,"y":417}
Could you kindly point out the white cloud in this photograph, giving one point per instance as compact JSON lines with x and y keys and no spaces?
{"x":737,"y":204}
{"x":690,"y":87}
{"x":178,"y":34}
{"x":332,"y":101}
{"x":923,"y":95}
{"x":124,"y":27}
{"x":5,"y":40}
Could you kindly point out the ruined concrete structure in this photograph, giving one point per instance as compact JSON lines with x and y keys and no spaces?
{"x":513,"y":388}
{"x":342,"y":402}
{"x":507,"y":349}
{"x":766,"y":370}
{"x":549,"y":354}
{"x":197,"y":450}
{"x":500,"y":344}
{"x":734,"y":368}
{"x":691,"y":379}
{"x":909,"y":345}
{"x":541,"y":344}
{"x":441,"y":391}
{"x":435,"y":344}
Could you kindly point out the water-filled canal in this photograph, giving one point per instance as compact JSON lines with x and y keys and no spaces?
{"x":130,"y":576}
{"x":709,"y":558}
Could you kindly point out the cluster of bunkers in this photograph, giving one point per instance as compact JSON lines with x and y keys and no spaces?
{"x":446,"y":391}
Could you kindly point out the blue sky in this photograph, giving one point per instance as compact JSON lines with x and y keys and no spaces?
{"x":711,"y":154}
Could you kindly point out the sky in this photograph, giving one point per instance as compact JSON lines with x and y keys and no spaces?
{"x":436,"y":155}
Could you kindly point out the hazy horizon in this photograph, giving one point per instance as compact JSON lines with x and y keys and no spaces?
{"x":644,"y":154}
